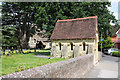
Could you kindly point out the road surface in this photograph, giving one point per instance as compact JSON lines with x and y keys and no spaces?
{"x":106,"y":68}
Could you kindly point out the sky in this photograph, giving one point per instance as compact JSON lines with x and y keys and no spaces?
{"x":114,"y":7}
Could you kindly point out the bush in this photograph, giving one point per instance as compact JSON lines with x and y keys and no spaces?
{"x":116,"y":53}
{"x":106,"y":44}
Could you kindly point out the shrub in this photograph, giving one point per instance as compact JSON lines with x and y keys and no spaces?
{"x":116,"y":53}
{"x":106,"y":43}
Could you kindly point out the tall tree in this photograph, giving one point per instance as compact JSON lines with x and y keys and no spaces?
{"x":21,"y":16}
{"x":9,"y":38}
{"x":48,"y":13}
{"x":45,"y":15}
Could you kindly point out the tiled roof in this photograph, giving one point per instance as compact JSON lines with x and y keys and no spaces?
{"x":78,"y":28}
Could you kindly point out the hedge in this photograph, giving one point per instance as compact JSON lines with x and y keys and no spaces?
{"x":116,"y":53}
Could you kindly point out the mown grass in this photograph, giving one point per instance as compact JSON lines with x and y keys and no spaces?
{"x":19,"y":62}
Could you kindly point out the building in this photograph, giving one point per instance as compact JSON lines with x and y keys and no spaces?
{"x":116,"y":37}
{"x":75,"y":37}
{"x":39,"y":41}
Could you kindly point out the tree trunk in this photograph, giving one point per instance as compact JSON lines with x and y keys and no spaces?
{"x":21,"y":47}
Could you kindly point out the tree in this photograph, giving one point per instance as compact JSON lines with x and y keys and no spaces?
{"x":48,"y":13}
{"x":21,"y":16}
{"x":45,"y":15}
{"x":106,"y":43}
{"x":9,"y":38}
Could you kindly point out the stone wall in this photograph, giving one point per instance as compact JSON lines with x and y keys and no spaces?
{"x":70,"y":68}
{"x":76,"y":44}
{"x":99,"y":56}
{"x":78,"y":48}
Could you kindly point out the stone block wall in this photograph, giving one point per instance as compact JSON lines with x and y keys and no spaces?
{"x":99,"y":56}
{"x":66,"y":47}
{"x":70,"y":68}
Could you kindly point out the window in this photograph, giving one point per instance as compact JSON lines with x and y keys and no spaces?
{"x":83,"y":46}
{"x":60,"y":46}
{"x":71,"y":45}
{"x":118,"y":35}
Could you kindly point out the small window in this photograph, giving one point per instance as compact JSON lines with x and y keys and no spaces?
{"x":34,"y":40}
{"x":71,"y":45}
{"x":83,"y":46}
{"x":60,"y":46}
{"x":118,"y":35}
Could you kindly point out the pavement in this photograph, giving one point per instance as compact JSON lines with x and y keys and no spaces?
{"x":106,"y":68}
{"x":42,"y":56}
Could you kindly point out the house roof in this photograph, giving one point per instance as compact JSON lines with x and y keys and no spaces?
{"x":79,"y":28}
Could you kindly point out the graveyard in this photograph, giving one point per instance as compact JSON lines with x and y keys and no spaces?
{"x":17,"y":62}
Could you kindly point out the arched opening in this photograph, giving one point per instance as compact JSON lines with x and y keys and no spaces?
{"x":60,"y":46}
{"x":83,"y":46}
{"x":71,"y":45}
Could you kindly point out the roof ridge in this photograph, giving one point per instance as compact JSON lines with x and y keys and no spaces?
{"x":77,"y":18}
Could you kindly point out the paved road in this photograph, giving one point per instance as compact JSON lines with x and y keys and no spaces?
{"x":106,"y":68}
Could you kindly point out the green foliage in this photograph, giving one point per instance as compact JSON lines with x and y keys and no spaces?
{"x":22,"y":16}
{"x":106,"y":43}
{"x":116,"y":53}
{"x":45,"y":15}
{"x":49,"y":13}
{"x":9,"y":38}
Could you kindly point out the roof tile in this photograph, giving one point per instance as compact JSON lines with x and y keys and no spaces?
{"x":78,"y":28}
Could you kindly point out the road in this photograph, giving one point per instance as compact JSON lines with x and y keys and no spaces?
{"x":106,"y":68}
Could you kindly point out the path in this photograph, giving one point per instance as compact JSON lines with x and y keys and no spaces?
{"x":43,"y":55}
{"x":106,"y":68}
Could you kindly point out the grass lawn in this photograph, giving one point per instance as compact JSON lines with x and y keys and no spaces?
{"x":20,"y":62}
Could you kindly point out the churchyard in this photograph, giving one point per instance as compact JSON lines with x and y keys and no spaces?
{"x":75,"y":33}
{"x":17,"y":62}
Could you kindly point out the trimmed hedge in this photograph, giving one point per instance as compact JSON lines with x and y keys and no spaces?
{"x":116,"y":53}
